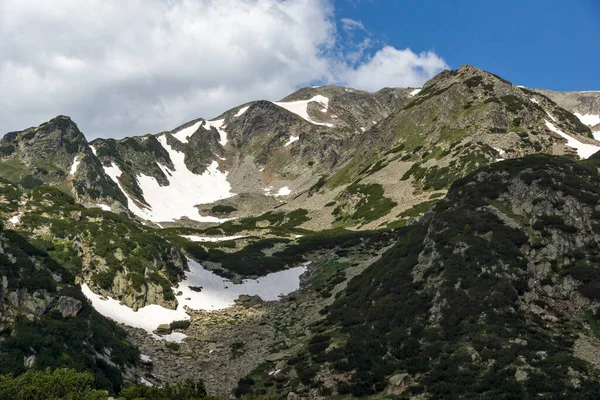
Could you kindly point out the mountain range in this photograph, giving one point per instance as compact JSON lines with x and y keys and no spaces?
{"x":433,"y":242}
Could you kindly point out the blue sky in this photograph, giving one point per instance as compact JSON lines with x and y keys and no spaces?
{"x":547,"y":44}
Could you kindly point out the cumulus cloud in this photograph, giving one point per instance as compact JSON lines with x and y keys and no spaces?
{"x":142,"y":66}
{"x":394,"y":68}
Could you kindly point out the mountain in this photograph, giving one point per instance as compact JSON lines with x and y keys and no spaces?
{"x":434,"y":242}
{"x":585,"y":105}
{"x":492,"y":294}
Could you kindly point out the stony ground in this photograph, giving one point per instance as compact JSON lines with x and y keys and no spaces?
{"x":226,"y":345}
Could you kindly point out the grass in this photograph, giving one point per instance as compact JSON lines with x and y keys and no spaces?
{"x":371,"y":205}
{"x":327,"y":271}
{"x":593,"y":322}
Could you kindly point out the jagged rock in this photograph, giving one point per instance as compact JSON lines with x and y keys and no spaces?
{"x":29,"y":362}
{"x":36,"y":303}
{"x":398,"y":383}
{"x":248,"y":301}
{"x":293,"y":396}
{"x":68,"y":306}
{"x":521,"y":375}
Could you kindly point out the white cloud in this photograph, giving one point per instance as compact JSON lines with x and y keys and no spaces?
{"x":391,"y":67}
{"x":351,"y":24}
{"x":143,"y":66}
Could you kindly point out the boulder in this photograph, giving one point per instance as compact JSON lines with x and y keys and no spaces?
{"x":163,"y":329}
{"x":68,"y":306}
{"x":247,"y":301}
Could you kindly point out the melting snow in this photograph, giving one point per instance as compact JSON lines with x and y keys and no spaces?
{"x":292,"y":140}
{"x":114,"y":172}
{"x":217,"y":293}
{"x":584,"y":150}
{"x":183,"y":134}
{"x":195,"y":238}
{"x":284,"y":191}
{"x":104,"y":207}
{"x":147,"y":318}
{"x":218,"y":125}
{"x":76,"y":163}
{"x":179,"y":198}
{"x":145,"y":382}
{"x":15,"y":219}
{"x":184,"y":192}
{"x":534,"y":100}
{"x":300,"y":108}
{"x":241,"y":111}
{"x":588,"y":119}
{"x":414,"y":92}
{"x":501,"y":152}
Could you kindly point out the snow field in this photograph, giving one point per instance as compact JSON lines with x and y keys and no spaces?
{"x":300,"y":108}
{"x":216,"y":293}
{"x":584,"y":150}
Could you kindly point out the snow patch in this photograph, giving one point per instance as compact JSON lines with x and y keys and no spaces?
{"x":284,"y":191}
{"x":183,"y":134}
{"x":300,"y":108}
{"x":145,"y":382}
{"x":147,"y":318}
{"x":242,"y":111}
{"x":414,"y":92}
{"x":584,"y":150}
{"x":217,"y":293}
{"x":292,"y":140}
{"x":104,"y":207}
{"x":15,"y":219}
{"x":501,"y":152}
{"x":114,"y":172}
{"x":588,"y":119}
{"x":75,"y":165}
{"x":145,"y":358}
{"x":534,"y":100}
{"x":596,"y":135}
{"x":218,"y":125}
{"x":195,"y":238}
{"x":184,"y":192}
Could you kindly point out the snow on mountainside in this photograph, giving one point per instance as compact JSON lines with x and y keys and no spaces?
{"x":217,"y":293}
{"x":184,"y":191}
{"x":300,"y":108}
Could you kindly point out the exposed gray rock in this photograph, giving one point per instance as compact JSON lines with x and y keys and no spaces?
{"x":68,"y":306}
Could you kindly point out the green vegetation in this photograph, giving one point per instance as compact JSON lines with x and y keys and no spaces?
{"x":72,"y":385}
{"x":56,"y":341}
{"x":370,"y":205}
{"x":223,"y":209}
{"x":279,"y":221}
{"x":184,"y":324}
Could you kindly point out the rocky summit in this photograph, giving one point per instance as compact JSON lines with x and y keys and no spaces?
{"x":424,"y":243}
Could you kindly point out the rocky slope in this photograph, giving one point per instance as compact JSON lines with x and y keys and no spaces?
{"x":494,"y":293}
{"x":585,"y":105}
{"x":46,"y":322}
{"x":489,"y":274}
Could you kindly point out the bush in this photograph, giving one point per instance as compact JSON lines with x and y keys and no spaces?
{"x":223,"y":209}
{"x":184,"y":324}
{"x":29,"y":182}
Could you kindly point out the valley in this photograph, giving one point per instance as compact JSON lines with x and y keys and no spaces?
{"x":422,"y":243}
